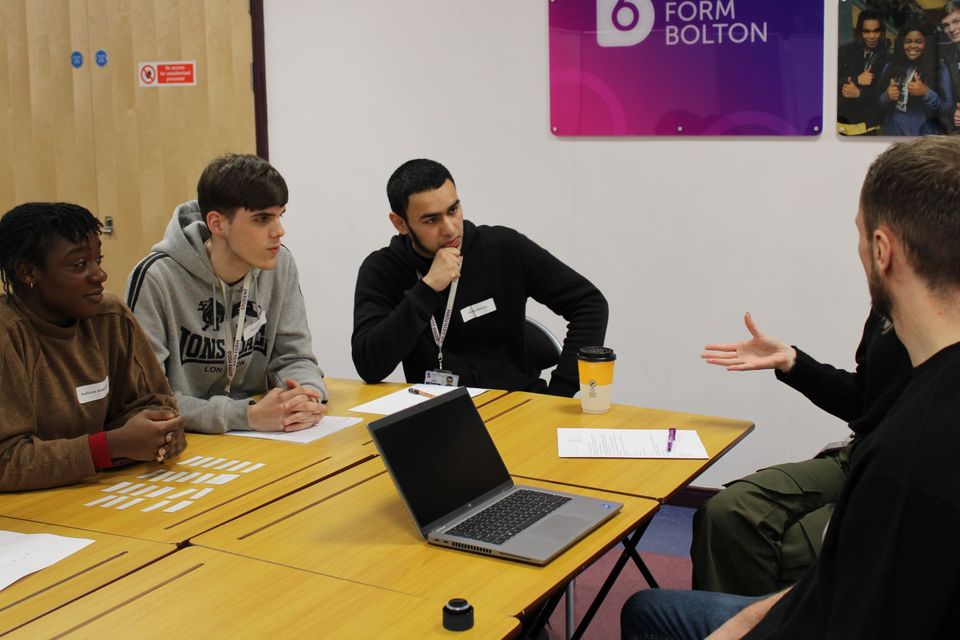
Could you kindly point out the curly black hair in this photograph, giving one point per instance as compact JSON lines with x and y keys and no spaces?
{"x":28,"y":231}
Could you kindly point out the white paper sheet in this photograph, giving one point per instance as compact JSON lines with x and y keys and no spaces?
{"x":628,"y":443}
{"x":24,"y":553}
{"x":326,"y":426}
{"x":398,"y":400}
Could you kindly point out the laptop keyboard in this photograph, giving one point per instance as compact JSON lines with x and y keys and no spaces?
{"x":507,"y":517}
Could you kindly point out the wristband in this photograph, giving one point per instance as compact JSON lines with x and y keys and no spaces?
{"x":99,"y":450}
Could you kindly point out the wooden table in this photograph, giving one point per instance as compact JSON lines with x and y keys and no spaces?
{"x":286,"y":468}
{"x":201,"y":593}
{"x":107,"y":559}
{"x":355,"y":526}
{"x":524,"y":428}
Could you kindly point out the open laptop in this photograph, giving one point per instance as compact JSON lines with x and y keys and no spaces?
{"x":449,"y":473}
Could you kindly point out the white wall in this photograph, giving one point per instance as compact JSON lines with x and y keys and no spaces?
{"x":682,"y":235}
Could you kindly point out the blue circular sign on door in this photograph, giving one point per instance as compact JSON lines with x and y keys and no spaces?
{"x":76,"y":59}
{"x":101,"y":58}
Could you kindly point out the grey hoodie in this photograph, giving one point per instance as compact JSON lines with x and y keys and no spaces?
{"x":179,"y":302}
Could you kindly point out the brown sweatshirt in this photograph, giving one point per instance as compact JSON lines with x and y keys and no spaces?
{"x":58,"y":385}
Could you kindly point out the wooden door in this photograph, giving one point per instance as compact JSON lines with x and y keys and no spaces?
{"x":46,"y":126}
{"x":92,"y":135}
{"x":152,"y":143}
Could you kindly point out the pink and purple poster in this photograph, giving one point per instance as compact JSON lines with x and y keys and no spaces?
{"x":686,"y":68}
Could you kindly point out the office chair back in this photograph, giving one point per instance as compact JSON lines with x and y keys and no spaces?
{"x":543,"y":348}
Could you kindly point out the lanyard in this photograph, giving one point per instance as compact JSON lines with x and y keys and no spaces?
{"x":439,"y":335}
{"x":234,"y":355}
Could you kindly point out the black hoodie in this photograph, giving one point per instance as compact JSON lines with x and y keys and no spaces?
{"x":392,"y":310}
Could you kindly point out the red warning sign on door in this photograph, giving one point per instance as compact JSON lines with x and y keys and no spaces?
{"x":167,"y":74}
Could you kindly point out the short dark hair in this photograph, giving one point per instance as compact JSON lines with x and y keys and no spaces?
{"x":29,"y":231}
{"x":914,"y":188}
{"x":414,"y":176}
{"x":233,"y":181}
{"x":950,"y":6}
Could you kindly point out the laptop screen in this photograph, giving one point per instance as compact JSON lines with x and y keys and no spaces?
{"x":440,"y":454}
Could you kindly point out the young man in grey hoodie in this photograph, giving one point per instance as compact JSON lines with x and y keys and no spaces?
{"x":219,"y":298}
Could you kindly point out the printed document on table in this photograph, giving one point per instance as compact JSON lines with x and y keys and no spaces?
{"x":24,"y":553}
{"x":628,"y":443}
{"x":324,"y":427}
{"x":393,"y":402}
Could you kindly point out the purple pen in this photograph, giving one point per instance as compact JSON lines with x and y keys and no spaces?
{"x":671,"y":436}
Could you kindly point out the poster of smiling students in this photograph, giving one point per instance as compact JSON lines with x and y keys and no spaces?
{"x":898,"y":68}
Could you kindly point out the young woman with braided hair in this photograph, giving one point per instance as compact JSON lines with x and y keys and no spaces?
{"x":80,"y":388}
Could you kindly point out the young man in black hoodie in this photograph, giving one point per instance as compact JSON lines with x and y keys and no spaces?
{"x":448,"y":298}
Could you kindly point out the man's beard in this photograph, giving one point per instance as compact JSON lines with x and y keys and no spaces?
{"x":418,"y":246}
{"x":879,"y":294}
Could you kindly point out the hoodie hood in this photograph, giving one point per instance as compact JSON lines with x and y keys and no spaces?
{"x":184,"y":242}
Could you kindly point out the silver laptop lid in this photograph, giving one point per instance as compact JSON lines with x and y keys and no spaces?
{"x":441,"y":457}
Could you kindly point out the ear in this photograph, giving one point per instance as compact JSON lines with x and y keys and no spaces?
{"x":399,"y":224}
{"x":883,"y":243}
{"x":216,"y":223}
{"x":26,"y":273}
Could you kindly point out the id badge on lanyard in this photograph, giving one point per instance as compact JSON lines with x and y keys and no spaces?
{"x":440,"y":375}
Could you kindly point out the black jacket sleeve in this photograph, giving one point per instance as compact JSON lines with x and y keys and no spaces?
{"x":389,"y":316}
{"x":567,"y":293}
{"x":836,"y":391}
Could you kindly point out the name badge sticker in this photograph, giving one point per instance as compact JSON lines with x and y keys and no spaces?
{"x":478,"y":309}
{"x":95,"y":391}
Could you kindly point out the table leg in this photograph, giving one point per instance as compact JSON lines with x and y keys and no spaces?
{"x":629,"y":551}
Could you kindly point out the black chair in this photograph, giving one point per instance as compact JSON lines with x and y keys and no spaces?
{"x":543,"y":348}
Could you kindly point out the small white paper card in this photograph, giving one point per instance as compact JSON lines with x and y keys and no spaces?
{"x":324,"y":427}
{"x":399,"y":400}
{"x":24,"y":553}
{"x":628,"y":443}
{"x":477,"y":310}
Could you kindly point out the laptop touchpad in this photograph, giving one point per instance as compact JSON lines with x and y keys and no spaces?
{"x":560,"y":527}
